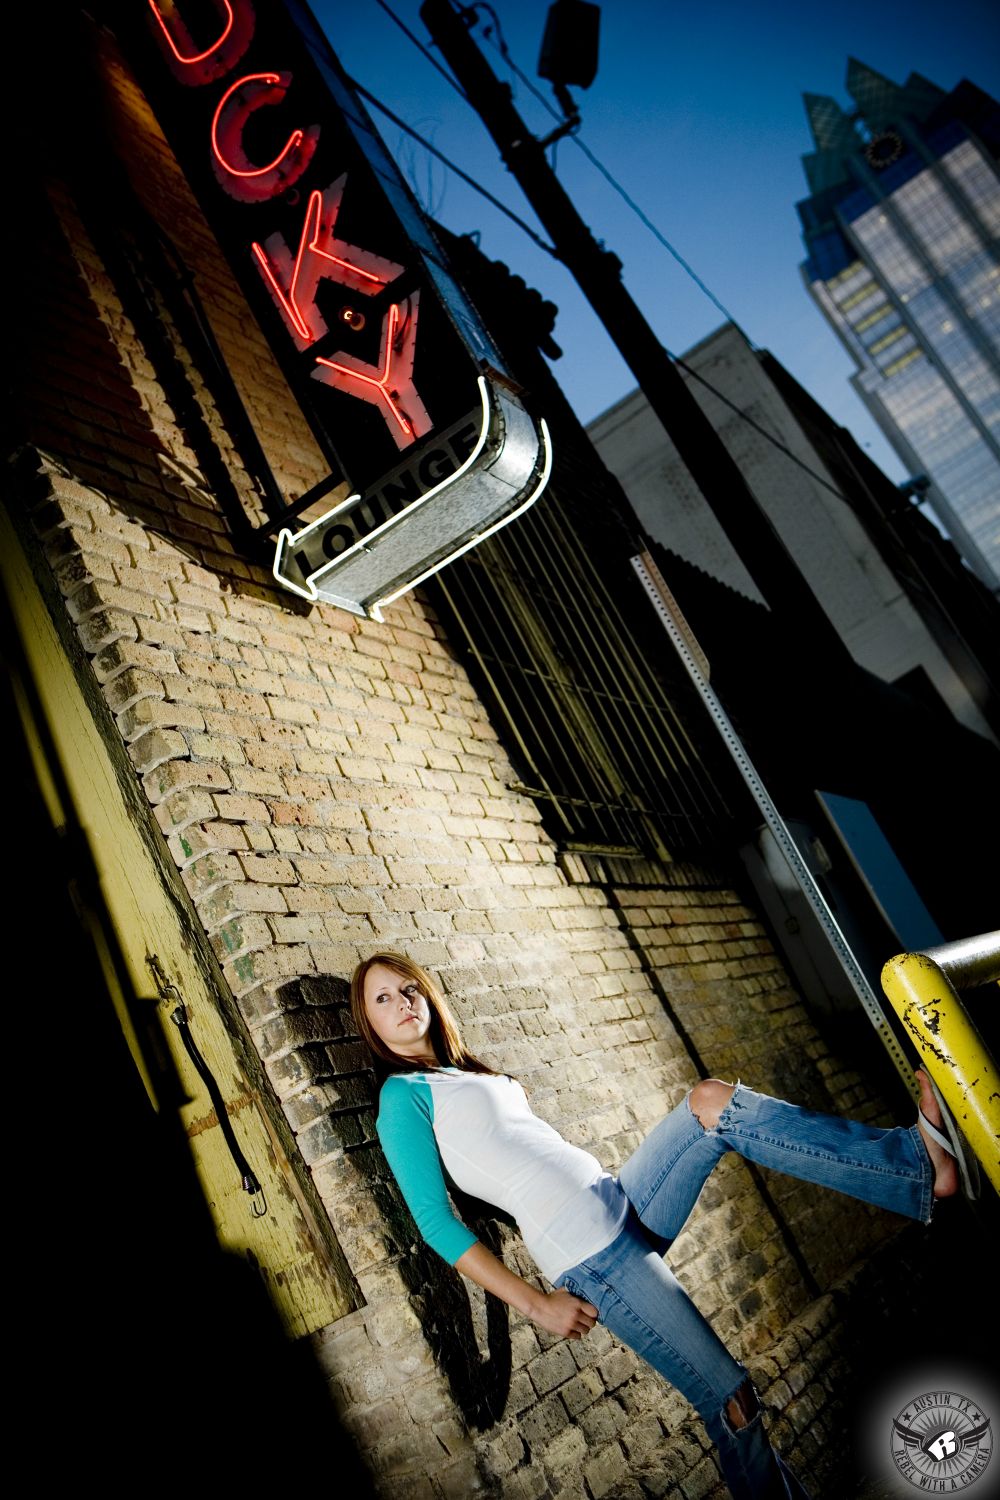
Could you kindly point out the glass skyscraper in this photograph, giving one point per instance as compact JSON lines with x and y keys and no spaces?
{"x":901,"y":231}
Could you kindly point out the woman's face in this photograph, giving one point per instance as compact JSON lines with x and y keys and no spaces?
{"x":398,"y":1011}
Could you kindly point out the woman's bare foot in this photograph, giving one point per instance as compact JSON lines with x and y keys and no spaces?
{"x":945,"y":1167}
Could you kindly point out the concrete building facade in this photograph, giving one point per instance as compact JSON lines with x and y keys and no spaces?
{"x":799,"y":493}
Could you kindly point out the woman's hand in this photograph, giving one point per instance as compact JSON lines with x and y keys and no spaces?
{"x":562,"y":1313}
{"x":558,"y":1312}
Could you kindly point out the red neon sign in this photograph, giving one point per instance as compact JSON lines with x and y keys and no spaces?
{"x":293,"y":283}
{"x":235,"y":172}
{"x":402,"y":384}
{"x":254,"y":60}
{"x":390,"y":386}
{"x":189,"y":65}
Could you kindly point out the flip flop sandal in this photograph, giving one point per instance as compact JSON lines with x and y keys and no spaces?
{"x":954,"y":1143}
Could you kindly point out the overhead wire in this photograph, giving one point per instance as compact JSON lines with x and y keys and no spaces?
{"x":763,"y":432}
{"x":483,"y":192}
{"x":499,"y":44}
{"x":678,"y":257}
{"x":448,"y":77}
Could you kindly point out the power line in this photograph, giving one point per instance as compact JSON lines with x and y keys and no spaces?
{"x":425,"y":50}
{"x":384,"y":109}
{"x":500,"y":45}
{"x":494,"y":35}
{"x":695,"y":375}
{"x":678,"y":257}
{"x":503,"y":49}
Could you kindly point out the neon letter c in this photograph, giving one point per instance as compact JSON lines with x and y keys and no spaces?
{"x":234,"y":170}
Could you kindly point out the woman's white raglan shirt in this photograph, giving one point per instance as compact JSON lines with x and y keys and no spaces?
{"x":480,"y":1126}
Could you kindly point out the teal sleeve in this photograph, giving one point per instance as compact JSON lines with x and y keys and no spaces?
{"x":405,"y":1127}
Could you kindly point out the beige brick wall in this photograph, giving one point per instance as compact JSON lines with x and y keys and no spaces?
{"x":308,"y":827}
{"x":327,"y":784}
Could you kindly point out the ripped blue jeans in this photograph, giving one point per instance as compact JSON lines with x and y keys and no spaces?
{"x":641,"y":1301}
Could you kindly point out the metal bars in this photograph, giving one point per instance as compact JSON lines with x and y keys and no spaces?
{"x":604,"y":735}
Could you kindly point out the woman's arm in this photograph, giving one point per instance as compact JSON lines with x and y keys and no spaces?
{"x":558,"y":1312}
{"x":405,"y":1129}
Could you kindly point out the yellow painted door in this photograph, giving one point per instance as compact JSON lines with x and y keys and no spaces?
{"x":156,"y":957}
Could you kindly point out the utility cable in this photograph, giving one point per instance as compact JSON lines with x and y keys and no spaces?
{"x":762,"y":431}
{"x":385,"y":110}
{"x":448,"y":78}
{"x":494,"y":35}
{"x":678,"y":257}
{"x":503,"y":49}
{"x":499,"y":44}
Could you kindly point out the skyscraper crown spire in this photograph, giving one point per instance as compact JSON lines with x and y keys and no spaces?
{"x":878,"y":99}
{"x":831,"y":127}
{"x":882,"y":103}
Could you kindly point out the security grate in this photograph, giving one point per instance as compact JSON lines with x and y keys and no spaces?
{"x":604,"y":730}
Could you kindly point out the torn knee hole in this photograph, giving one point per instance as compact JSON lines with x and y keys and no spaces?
{"x":742,"y":1406}
{"x":708,"y":1099}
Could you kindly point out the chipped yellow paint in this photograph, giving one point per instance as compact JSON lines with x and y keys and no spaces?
{"x":145,"y":917}
{"x":951,"y":1049}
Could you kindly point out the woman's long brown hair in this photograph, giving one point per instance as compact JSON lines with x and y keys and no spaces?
{"x":444,"y":1035}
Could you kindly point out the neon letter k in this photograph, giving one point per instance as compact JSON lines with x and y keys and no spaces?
{"x":292,"y":282}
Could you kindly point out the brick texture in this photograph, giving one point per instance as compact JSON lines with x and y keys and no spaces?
{"x":326,"y":785}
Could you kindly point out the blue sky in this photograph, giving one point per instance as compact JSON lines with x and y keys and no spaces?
{"x":697,"y":112}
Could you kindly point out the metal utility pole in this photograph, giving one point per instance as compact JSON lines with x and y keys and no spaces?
{"x":598,"y":273}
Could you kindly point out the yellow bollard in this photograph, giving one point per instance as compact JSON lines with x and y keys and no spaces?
{"x":951,"y":1050}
